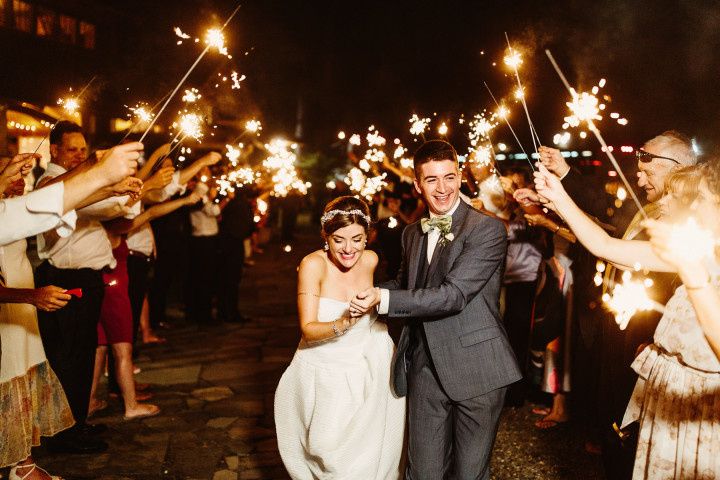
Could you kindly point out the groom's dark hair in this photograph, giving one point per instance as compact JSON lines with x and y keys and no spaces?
{"x":431,"y":151}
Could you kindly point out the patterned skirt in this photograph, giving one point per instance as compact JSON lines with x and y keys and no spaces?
{"x":32,"y":405}
{"x":678,"y":408}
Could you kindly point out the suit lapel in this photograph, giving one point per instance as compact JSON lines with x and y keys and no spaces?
{"x":414,"y":249}
{"x":458,"y":218}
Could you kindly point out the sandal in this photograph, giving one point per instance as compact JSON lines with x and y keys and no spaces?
{"x":14,"y":475}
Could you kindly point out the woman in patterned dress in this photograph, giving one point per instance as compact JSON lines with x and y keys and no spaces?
{"x":677,"y":396}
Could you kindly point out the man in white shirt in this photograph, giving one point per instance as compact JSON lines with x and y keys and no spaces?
{"x":70,"y":335}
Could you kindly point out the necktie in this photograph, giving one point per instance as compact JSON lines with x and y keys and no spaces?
{"x":441,"y":222}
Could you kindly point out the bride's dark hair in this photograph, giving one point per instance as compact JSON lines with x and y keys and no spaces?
{"x":343,"y":211}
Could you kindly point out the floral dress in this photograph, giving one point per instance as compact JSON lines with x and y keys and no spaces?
{"x":32,"y":401}
{"x":677,"y":399}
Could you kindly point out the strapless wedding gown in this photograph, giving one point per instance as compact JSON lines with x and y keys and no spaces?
{"x":335,"y":413}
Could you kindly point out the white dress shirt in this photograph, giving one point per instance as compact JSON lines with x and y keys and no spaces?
{"x":204,"y":221}
{"x":88,"y":246}
{"x":36,"y":212}
{"x":432,"y":241}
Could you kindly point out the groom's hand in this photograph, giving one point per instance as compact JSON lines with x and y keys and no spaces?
{"x":364,"y":301}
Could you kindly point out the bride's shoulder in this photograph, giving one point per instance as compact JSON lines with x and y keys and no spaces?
{"x":314,"y":261}
{"x":370,"y":258}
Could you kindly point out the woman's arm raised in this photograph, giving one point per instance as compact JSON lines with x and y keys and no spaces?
{"x":625,"y":253}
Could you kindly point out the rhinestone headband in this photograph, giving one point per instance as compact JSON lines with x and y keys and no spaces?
{"x":332,"y":213}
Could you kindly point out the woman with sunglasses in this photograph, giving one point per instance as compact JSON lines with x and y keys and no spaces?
{"x":677,"y":395}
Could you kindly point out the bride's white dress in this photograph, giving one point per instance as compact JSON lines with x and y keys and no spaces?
{"x":335,"y":413}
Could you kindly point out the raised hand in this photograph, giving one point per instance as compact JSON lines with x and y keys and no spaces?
{"x":127,"y":186}
{"x":18,"y":167}
{"x":364,"y":301}
{"x":549,"y":187}
{"x":161,"y":178}
{"x":49,"y":298}
{"x":553,"y":160}
{"x":526,"y":196}
{"x":120,"y":162}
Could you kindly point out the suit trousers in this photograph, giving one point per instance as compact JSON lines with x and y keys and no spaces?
{"x":203,"y":279}
{"x":232,"y":253}
{"x":69,"y":335}
{"x":447,"y":437}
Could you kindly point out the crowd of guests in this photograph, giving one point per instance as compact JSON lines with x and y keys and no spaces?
{"x":86,"y":307}
{"x":104,"y":221}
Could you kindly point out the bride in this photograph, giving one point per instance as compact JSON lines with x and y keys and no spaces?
{"x":335,"y":413}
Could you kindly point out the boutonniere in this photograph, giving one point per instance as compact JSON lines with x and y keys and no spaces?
{"x":446,"y":236}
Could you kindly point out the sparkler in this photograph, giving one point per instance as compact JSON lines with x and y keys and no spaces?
{"x":514,"y":60}
{"x":443,"y":129}
{"x":77,"y":105}
{"x":191,"y":95}
{"x":628,"y":298}
{"x":502,"y":112}
{"x":418,"y":126}
{"x":236,"y":79}
{"x":281,"y":164}
{"x":253,"y":126}
{"x":692,"y":242}
{"x":187,"y":74}
{"x":586,"y":112}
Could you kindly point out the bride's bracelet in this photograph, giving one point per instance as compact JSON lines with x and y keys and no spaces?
{"x":336,"y":330}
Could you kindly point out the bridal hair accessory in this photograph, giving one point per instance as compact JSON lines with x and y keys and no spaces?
{"x":332,"y":213}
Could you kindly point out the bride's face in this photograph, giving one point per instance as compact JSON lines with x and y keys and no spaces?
{"x":346,"y":244}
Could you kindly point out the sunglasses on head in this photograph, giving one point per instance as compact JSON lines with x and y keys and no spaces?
{"x":647,"y":157}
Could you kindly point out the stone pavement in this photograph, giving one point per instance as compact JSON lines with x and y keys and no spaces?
{"x":215,"y":386}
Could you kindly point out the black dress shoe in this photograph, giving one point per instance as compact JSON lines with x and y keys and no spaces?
{"x":80,"y":444}
{"x":92,"y":429}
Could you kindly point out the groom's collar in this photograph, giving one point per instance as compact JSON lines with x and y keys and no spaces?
{"x":452,"y":210}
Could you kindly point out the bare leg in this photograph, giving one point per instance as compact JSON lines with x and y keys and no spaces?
{"x":124,"y":374}
{"x":148,"y":335}
{"x":95,"y":402}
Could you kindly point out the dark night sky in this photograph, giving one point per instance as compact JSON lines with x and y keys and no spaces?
{"x":357,"y":63}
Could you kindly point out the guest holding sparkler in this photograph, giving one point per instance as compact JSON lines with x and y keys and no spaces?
{"x":679,"y":374}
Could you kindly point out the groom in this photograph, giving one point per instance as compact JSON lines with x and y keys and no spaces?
{"x":453,"y":359}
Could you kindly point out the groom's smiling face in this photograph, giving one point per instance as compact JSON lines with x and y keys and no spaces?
{"x":439,"y":184}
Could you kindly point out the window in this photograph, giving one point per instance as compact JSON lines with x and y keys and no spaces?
{"x":68,"y":29}
{"x":87,"y":35}
{"x":23,"y":16}
{"x":45,"y":23}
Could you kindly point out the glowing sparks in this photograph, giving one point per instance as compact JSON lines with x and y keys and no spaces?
{"x":215,"y":39}
{"x":502,"y":112}
{"x":587,"y":107}
{"x":181,"y":34}
{"x":190,"y":125}
{"x":627,"y":299}
{"x":355,"y":139}
{"x":341,"y":135}
{"x":281,"y":165}
{"x":363,"y":185}
{"x":233,"y":154}
{"x":141,"y":113}
{"x":513,"y":59}
{"x":236,"y":79}
{"x":253,"y":126}
{"x":392,"y":222}
{"x":374,"y":139}
{"x":691,"y":241}
{"x":191,"y":95}
{"x":71,"y":105}
{"x":443,"y":129}
{"x":480,"y":127}
{"x":418,"y":125}
{"x":407,"y":163}
{"x":399,"y":151}
{"x":519,"y":94}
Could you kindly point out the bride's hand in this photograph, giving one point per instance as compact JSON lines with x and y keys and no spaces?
{"x":364,"y":301}
{"x":346,"y":322}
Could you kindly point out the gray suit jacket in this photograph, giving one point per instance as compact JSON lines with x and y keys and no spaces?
{"x":458,"y":307}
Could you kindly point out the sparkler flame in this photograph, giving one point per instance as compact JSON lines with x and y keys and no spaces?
{"x":191,"y":95}
{"x":215,"y":39}
{"x":418,"y":125}
{"x":627,"y":299}
{"x":71,"y":105}
{"x":513,"y":59}
{"x":691,"y":241}
{"x":190,"y":124}
{"x":253,"y":126}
